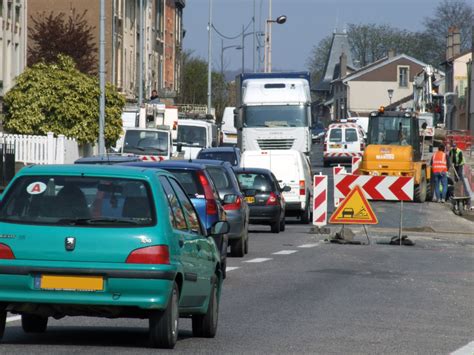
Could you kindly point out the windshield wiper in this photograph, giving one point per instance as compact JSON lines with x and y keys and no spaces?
{"x":89,"y":221}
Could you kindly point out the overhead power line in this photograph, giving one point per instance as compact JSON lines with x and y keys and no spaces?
{"x":231,"y":37}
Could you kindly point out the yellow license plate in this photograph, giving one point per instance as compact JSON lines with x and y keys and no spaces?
{"x":250,"y":199}
{"x":231,"y":135}
{"x":336,"y":146}
{"x":72,"y":283}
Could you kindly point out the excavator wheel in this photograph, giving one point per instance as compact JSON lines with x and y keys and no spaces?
{"x":421,"y":189}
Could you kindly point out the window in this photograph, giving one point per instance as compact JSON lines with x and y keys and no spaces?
{"x":335,"y":135}
{"x":219,"y":177}
{"x":189,"y":212}
{"x":351,"y":135}
{"x":176,"y":213}
{"x":403,"y":76}
{"x":255,"y":181}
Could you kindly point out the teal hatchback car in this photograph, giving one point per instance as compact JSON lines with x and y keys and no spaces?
{"x":107,"y":241}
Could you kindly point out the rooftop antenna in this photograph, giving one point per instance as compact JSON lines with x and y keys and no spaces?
{"x":336,"y":28}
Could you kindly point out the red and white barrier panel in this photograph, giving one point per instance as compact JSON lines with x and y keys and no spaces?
{"x":356,"y":161}
{"x":320,"y":200}
{"x":338,"y":155}
{"x":386,"y":188}
{"x":335,"y":171}
{"x":151,"y":158}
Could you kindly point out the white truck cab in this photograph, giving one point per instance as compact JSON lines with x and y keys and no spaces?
{"x":193,"y":135}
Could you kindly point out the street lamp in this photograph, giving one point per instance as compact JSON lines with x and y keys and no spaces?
{"x":390,"y":95}
{"x":268,"y":38}
{"x":222,"y":54}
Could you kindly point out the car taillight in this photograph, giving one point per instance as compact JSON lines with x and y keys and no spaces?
{"x":211,"y":205}
{"x":272,"y":199}
{"x":175,"y":125}
{"x":158,"y":254}
{"x":302,"y":188}
{"x":6,"y":252}
{"x":362,"y":146}
{"x":234,"y":206}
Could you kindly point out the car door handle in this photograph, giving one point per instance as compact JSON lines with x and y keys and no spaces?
{"x":181,"y":243}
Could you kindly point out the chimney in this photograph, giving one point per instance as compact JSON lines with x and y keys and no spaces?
{"x":391,"y":53}
{"x":456,"y":42}
{"x":449,"y":44}
{"x":343,"y":65}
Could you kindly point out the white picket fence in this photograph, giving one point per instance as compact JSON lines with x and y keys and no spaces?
{"x":42,"y":149}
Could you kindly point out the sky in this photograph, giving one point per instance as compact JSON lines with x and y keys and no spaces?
{"x":308,"y":21}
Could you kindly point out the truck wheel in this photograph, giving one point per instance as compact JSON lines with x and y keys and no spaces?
{"x":306,"y":214}
{"x":430,"y":190}
{"x":420,"y":189}
{"x":325,"y":163}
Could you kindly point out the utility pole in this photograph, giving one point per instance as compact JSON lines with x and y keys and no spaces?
{"x":243,"y":50}
{"x":254,"y":39}
{"x":140,"y":58}
{"x":269,"y":49}
{"x":102,"y":78}
{"x":209,"y":60}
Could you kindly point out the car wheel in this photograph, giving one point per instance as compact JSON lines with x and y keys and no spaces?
{"x":275,"y":227}
{"x":326,"y":163}
{"x":246,"y":247}
{"x":163,"y":325}
{"x":306,"y":214}
{"x":237,"y":248}
{"x":282,"y":224}
{"x":32,"y":323}
{"x":224,"y":269}
{"x":3,"y":322}
{"x":205,"y":325}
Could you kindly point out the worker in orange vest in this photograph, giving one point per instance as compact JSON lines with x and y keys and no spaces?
{"x":439,"y":165}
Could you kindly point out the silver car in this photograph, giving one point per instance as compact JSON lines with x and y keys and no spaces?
{"x":236,"y":207}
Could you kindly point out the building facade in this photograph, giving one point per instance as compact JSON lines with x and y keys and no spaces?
{"x":13,"y":15}
{"x":163,"y":33}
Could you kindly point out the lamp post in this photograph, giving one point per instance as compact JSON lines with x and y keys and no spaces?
{"x":222,"y":54}
{"x":102,"y":78}
{"x":390,"y":95}
{"x":209,"y":59}
{"x":242,"y":46}
{"x":268,"y":38}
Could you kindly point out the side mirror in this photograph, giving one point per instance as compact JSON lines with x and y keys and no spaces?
{"x":230,"y":198}
{"x":220,"y":227}
{"x":179,"y":147}
{"x":286,"y":188}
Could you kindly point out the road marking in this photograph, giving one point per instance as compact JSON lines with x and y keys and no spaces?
{"x":13,"y":318}
{"x":308,"y":245}
{"x":257,"y":260}
{"x":465,"y":350}
{"x":285,"y":252}
{"x":231,"y":268}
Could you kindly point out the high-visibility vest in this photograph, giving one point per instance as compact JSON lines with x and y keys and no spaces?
{"x":439,"y":162}
{"x":454,"y":155}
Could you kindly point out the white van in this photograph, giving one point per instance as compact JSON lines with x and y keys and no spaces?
{"x":291,"y":168}
{"x":228,"y":131}
{"x":342,"y":142}
{"x":193,"y":135}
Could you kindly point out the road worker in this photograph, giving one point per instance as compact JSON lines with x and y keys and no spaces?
{"x":439,"y":165}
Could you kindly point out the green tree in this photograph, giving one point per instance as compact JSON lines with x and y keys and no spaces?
{"x":59,"y":98}
{"x":318,"y":58}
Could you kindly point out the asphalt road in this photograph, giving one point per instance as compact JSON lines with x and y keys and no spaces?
{"x":296,"y":293}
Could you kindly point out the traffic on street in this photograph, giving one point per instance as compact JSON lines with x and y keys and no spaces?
{"x":151,"y":202}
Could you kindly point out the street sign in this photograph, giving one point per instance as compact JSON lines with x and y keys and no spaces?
{"x":385,"y":188}
{"x":320,"y":200}
{"x":355,"y":209}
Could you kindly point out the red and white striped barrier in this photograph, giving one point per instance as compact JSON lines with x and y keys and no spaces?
{"x":339,"y":155}
{"x":320,"y":200}
{"x":151,"y":158}
{"x":356,"y":161}
{"x":335,"y":171}
{"x":386,"y":188}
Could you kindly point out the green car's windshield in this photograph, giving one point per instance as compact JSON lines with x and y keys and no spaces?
{"x":76,"y":200}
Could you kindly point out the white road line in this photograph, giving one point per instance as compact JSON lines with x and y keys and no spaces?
{"x":257,"y":260}
{"x":308,"y":245}
{"x":231,"y":268}
{"x":465,"y":350}
{"x":13,"y":318}
{"x":285,"y":252}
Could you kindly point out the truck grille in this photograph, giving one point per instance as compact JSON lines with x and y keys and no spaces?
{"x":265,"y":144}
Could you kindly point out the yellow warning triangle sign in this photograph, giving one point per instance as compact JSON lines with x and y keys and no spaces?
{"x":355,"y":209}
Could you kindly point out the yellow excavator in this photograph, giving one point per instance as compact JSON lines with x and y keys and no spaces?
{"x":395,"y":148}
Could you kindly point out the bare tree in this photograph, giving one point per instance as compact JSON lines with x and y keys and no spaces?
{"x":317,"y":61}
{"x":52,"y":35}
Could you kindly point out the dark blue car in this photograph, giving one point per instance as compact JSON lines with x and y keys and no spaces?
{"x":200,"y":187}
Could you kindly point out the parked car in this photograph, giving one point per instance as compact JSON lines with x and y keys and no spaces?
{"x":108,"y":159}
{"x":292,"y":168}
{"x":235,"y":206}
{"x":200,"y":188}
{"x":228,"y":154}
{"x":342,"y":142}
{"x":264,"y":197}
{"x":63,"y":257}
{"x":317,"y":132}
